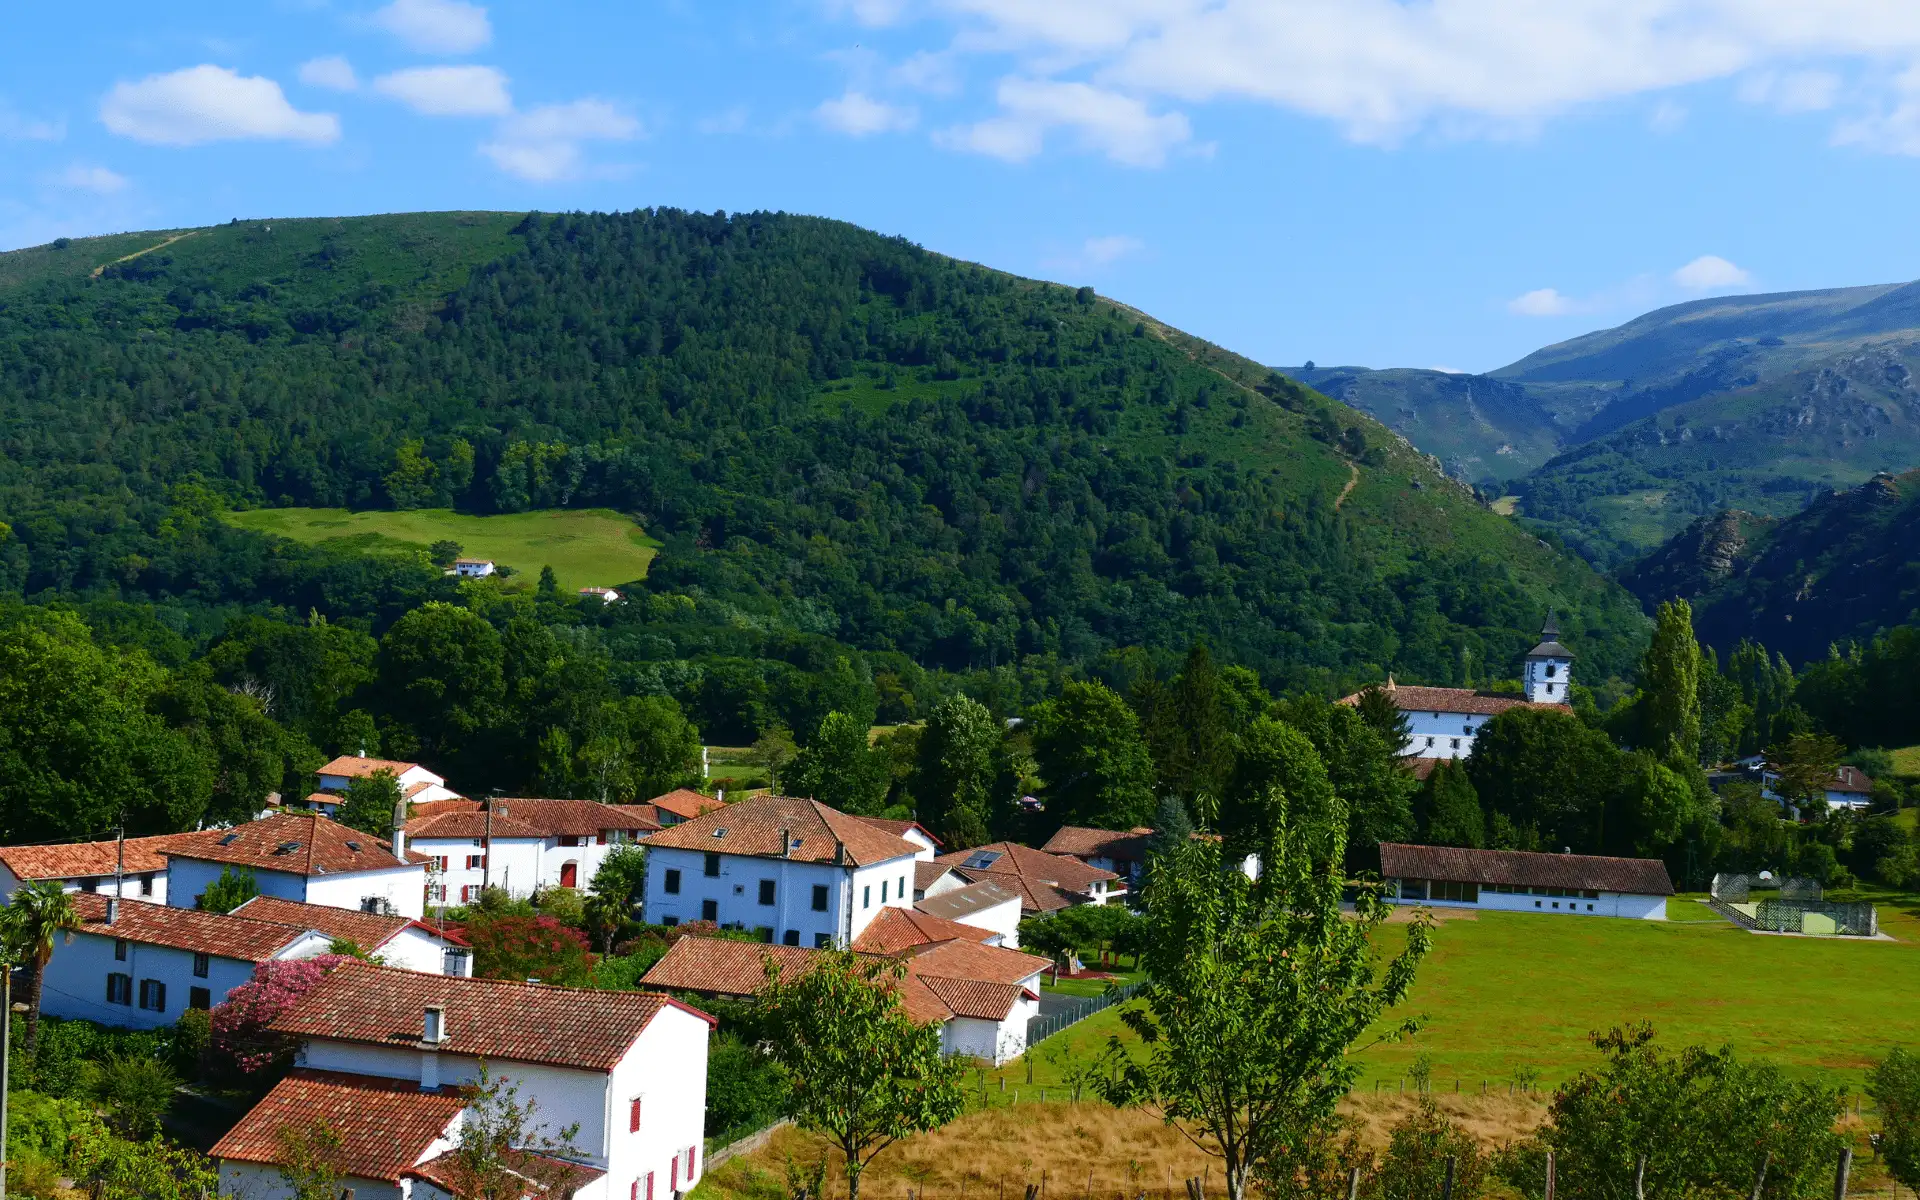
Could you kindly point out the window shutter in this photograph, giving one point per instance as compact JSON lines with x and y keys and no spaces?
{"x":693,"y":1160}
{"x":649,"y":1185}
{"x":673,"y":1175}
{"x":633,"y":1117}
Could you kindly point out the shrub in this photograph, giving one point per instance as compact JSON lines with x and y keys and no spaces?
{"x":1415,"y":1162}
{"x":191,"y":1035}
{"x":565,"y":905}
{"x":135,"y":1092}
{"x":1895,"y":1087}
{"x":541,"y":948}
{"x":240,"y":1047}
{"x":230,"y":891}
{"x":745,"y":1088}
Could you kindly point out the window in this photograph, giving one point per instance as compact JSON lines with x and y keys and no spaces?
{"x":120,"y":989}
{"x":766,"y":891}
{"x":1589,"y":908}
{"x":1456,"y":743}
{"x":1465,"y":893}
{"x":153,"y":995}
{"x":709,"y":910}
{"x":437,"y":893}
{"x":764,"y":933}
{"x":822,"y":940}
{"x":200,"y":966}
{"x":866,"y":896}
{"x":119,"y":949}
{"x":570,"y":839}
{"x":600,"y":839}
{"x":199,"y":998}
{"x":633,"y":1115}
{"x":902,"y":893}
{"x":883,"y":890}
{"x":1430,"y":742}
{"x":819,"y":897}
{"x":468,"y":892}
{"x":440,"y":863}
{"x":669,"y":921}
{"x":713,"y":866}
{"x":1551,"y":670}
{"x":1591,"y":894}
{"x":672,"y":882}
{"x":146,"y":884}
{"x":476,"y":862}
{"x":790,"y":938}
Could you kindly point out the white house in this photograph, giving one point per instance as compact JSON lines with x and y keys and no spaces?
{"x":139,"y":965}
{"x":140,"y":863}
{"x":981,"y":996}
{"x":985,"y":905}
{"x":1045,"y":883}
{"x":682,"y":804}
{"x":1851,"y":787}
{"x":303,"y":857}
{"x":799,"y":872}
{"x":520,"y":846}
{"x":1520,"y":881}
{"x":1443,"y":722}
{"x":908,"y":831}
{"x":604,"y":595}
{"x":383,"y":1050}
{"x":417,"y":784}
{"x":397,"y":941}
{"x":473,"y":568}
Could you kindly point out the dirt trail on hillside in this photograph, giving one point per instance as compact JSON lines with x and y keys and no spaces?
{"x":101,"y":269}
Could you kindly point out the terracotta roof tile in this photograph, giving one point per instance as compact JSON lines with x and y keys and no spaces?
{"x":1046,"y":882}
{"x":1454,"y":700}
{"x":895,"y":929}
{"x":1851,"y":779}
{"x":81,"y":860}
{"x":571,"y":1176}
{"x":967,"y":959}
{"x":1640,"y":876}
{"x":899,"y":828}
{"x":486,"y":1018}
{"x":568,"y":818}
{"x":1079,"y":841}
{"x":723,"y":966}
{"x":385,"y":1125}
{"x":686,"y":803}
{"x":369,"y":931}
{"x":240,"y":938}
{"x":964,"y":901}
{"x":468,"y":825}
{"x":297,"y":844}
{"x":754,"y":827}
{"x":975,"y":997}
{"x":353,"y":766}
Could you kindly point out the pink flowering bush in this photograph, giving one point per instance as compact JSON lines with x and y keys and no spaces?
{"x":241,"y":1044}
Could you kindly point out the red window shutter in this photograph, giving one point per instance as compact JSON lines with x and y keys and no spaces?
{"x":693,"y":1158}
{"x":649,"y":1185}
{"x":602,"y":838}
{"x":673,"y":1175}
{"x":633,"y":1117}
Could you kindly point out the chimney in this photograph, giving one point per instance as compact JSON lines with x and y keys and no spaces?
{"x":786,"y":843}
{"x":433,"y":1025}
{"x":113,"y":909}
{"x":400,"y":829}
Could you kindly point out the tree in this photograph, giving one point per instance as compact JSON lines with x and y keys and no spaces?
{"x":135,"y":1091}
{"x":1279,"y":791}
{"x":1171,"y":829}
{"x":955,"y":772}
{"x":241,"y":1045}
{"x":505,"y":1150}
{"x":862,"y":1072}
{"x":1386,"y":718}
{"x":514,"y":946}
{"x":40,"y":914}
{"x":1804,"y":767}
{"x":1670,"y":687}
{"x":548,"y":587}
{"x":1190,"y":727}
{"x":443,"y":552}
{"x":1544,"y":780}
{"x":638,"y":747}
{"x":442,"y":669}
{"x":248,"y":753}
{"x":1450,"y":813}
{"x":839,"y":767}
{"x":772,"y":751}
{"x":411,"y":483}
{"x":1258,"y":998}
{"x":310,"y":1160}
{"x":371,"y":802}
{"x":1419,"y":1148}
{"x":1894,"y":1085}
{"x":1365,"y":770}
{"x":233,"y":887}
{"x":1086,"y":742}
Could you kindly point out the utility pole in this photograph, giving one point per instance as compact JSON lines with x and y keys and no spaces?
{"x":486,"y":851}
{"x":6,"y":1054}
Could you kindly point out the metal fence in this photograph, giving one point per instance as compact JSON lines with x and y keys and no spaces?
{"x":1041,"y":1028}
{"x":1790,"y":916}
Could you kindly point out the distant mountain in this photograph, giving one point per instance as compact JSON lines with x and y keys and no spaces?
{"x":1625,"y":435}
{"x":1842,"y":568}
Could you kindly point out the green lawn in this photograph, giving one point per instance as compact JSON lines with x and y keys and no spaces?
{"x":585,"y":547}
{"x":1511,"y":990}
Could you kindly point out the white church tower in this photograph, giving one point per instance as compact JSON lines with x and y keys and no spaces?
{"x":1549,"y":670}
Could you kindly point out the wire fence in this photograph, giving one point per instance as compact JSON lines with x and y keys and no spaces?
{"x":1039,"y":1029}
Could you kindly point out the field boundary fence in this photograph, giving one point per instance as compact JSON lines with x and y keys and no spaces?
{"x":1041,"y":1028}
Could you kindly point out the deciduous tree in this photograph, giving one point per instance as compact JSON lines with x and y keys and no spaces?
{"x":954,"y":778}
{"x":1087,"y":744}
{"x":1670,"y":687}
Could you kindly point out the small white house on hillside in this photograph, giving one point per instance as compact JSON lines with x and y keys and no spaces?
{"x":396,"y":941}
{"x":801,"y":873}
{"x":1521,"y":881}
{"x":383,"y":1052}
{"x":139,"y":966}
{"x":417,"y":784}
{"x":303,"y":857}
{"x":91,"y":866}
{"x":473,"y":568}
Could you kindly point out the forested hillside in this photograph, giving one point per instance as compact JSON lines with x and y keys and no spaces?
{"x":835,"y":434}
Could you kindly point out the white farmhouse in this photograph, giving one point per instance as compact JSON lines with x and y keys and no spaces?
{"x":385,"y":1056}
{"x":303,"y":857}
{"x":140,"y":864}
{"x":417,"y":784}
{"x":1520,"y":881}
{"x":604,"y":595}
{"x":1045,"y":883}
{"x":1442,"y":722}
{"x":985,"y":905}
{"x":520,"y":846}
{"x":1851,"y":787}
{"x":472,"y":568}
{"x":396,"y":941}
{"x":801,"y":873}
{"x":139,"y":965}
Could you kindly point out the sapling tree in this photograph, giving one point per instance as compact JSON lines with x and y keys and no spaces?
{"x":863,"y":1073}
{"x":506,"y":1151}
{"x":1895,"y":1087}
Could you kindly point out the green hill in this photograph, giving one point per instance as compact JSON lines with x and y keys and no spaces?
{"x":829,"y":431}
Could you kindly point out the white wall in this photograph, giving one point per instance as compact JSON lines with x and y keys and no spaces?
{"x":414,"y":949}
{"x":1608,"y":904}
{"x":251,"y":1181}
{"x":404,"y":887}
{"x":1002,"y":918}
{"x":76,"y":979}
{"x":150,"y":886}
{"x":1445,"y":731}
{"x":515,"y":863}
{"x":853,"y":896}
{"x":995,"y":1041}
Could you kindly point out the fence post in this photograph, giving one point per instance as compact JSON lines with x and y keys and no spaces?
{"x":1760,"y":1180}
{"x":1840,"y":1173}
{"x":1353,"y":1183}
{"x":1549,"y":1194}
{"x":1446,"y":1185}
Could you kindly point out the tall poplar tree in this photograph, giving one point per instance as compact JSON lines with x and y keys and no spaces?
{"x":1670,"y":687}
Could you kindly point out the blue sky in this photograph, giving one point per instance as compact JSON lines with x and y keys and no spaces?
{"x":1444,"y":183}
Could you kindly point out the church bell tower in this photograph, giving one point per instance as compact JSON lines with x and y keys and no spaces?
{"x":1549,"y":667}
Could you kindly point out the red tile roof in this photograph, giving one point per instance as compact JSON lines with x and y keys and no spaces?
{"x":353,"y":765}
{"x":580,"y":1028}
{"x":686,"y":803}
{"x":466,"y":825}
{"x":385,"y":1125}
{"x":897,"y":929}
{"x":899,"y":828}
{"x":1453,"y":700}
{"x":754,"y":827}
{"x":297,"y":844}
{"x":369,"y":931}
{"x":975,"y":997}
{"x":967,"y":959}
{"x":1639,"y":876}
{"x":81,"y":860}
{"x":723,"y":966}
{"x":228,"y":936}
{"x":1079,"y":841}
{"x":569,"y":818}
{"x":1046,"y":882}
{"x":926,"y":873}
{"x":570,"y":1177}
{"x":1851,"y":779}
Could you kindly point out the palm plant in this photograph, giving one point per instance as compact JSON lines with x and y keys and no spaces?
{"x":38,"y":913}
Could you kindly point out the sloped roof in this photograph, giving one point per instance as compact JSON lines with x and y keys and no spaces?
{"x":570,"y":818}
{"x":1080,"y":841}
{"x":899,"y":828}
{"x":754,"y":827}
{"x":1851,"y":779}
{"x":469,"y":824}
{"x":369,"y":931}
{"x":570,"y":1176}
{"x":686,"y":803}
{"x":926,"y":873}
{"x":354,"y":766}
{"x":895,"y":929}
{"x":1465,"y":701}
{"x":974,"y":997}
{"x":963,"y":958}
{"x":723,"y":966}
{"x":1639,"y":876}
{"x":297,"y":844}
{"x":1550,"y":648}
{"x":242,"y":938}
{"x":580,"y":1028}
{"x":80,"y":860}
{"x":965,"y":901}
{"x":385,"y":1125}
{"x":1046,"y":882}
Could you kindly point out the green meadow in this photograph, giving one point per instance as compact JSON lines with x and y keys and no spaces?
{"x":594,"y":547}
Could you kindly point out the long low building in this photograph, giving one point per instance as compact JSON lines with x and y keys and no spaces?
{"x":1523,"y":881}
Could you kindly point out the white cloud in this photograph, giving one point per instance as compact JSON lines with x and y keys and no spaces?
{"x":1103,"y":121}
{"x":927,"y":72}
{"x":436,"y":26}
{"x":1710,"y":271}
{"x":468,"y":91}
{"x":1099,"y":251}
{"x":1385,"y":69}
{"x":1541,"y":302}
{"x":209,"y":104}
{"x":869,"y":12}
{"x":857,"y":114}
{"x":544,"y":144}
{"x":16,"y":128}
{"x":81,"y":178}
{"x":329,"y":71}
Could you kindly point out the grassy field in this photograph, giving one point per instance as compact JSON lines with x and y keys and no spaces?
{"x":585,"y":547}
